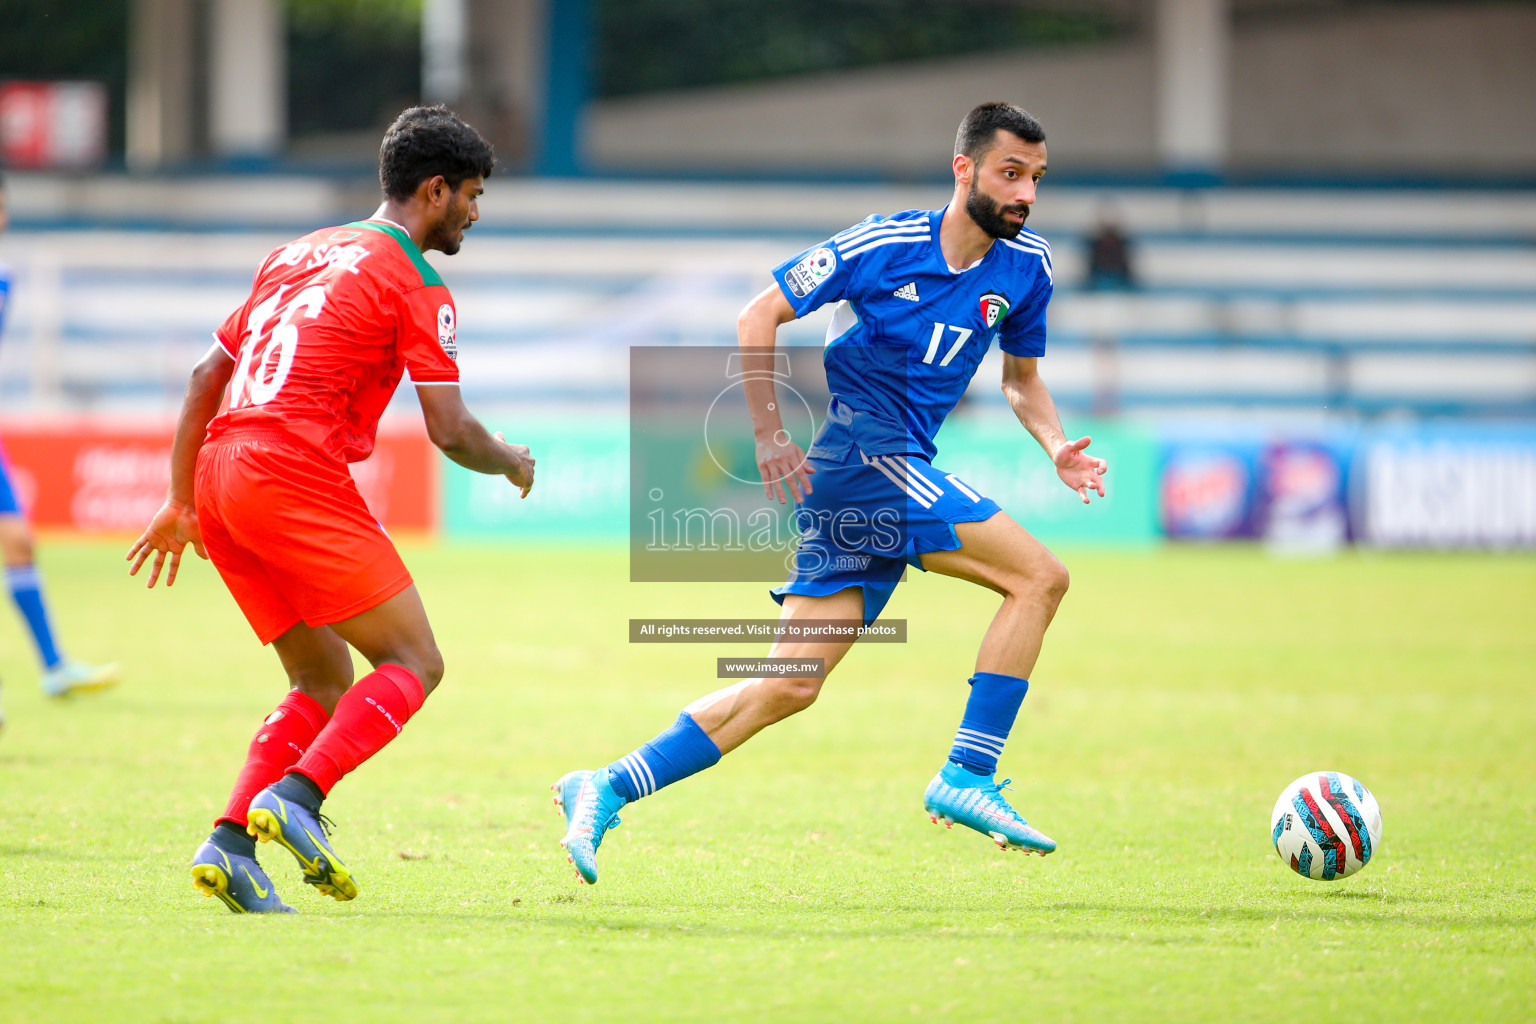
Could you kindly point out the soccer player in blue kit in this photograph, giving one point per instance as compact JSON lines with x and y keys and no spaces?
{"x":921,"y":296}
{"x":61,"y":677}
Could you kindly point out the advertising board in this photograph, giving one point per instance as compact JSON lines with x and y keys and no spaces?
{"x":111,"y":476}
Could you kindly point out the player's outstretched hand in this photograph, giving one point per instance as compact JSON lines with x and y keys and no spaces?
{"x":1078,"y":470}
{"x":168,"y":534}
{"x":781,"y":461}
{"x":522,"y":476}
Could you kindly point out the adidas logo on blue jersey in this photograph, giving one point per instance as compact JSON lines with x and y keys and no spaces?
{"x":907,"y":291}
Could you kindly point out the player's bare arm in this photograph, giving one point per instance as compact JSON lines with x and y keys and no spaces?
{"x":1032,"y":404}
{"x":779,"y":459}
{"x":436,"y":216}
{"x":463,"y":438}
{"x":175,"y":525}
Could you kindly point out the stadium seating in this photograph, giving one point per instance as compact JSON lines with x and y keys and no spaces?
{"x":1276,"y":301}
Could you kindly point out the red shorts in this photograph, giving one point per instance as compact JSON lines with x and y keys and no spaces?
{"x":288,"y":531}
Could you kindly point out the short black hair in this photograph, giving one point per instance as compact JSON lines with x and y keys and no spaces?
{"x":982,"y":124}
{"x":428,"y":141}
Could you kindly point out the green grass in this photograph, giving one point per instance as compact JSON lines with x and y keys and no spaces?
{"x":800,"y":880}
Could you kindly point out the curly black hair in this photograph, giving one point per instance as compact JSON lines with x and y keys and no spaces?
{"x":428,"y":141}
{"x":984,"y":122}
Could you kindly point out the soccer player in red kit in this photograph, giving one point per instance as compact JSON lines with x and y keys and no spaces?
{"x":333,"y":321}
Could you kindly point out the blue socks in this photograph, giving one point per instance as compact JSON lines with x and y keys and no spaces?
{"x":26,"y":588}
{"x":989,"y":714}
{"x":681,"y":751}
{"x":685,"y":749}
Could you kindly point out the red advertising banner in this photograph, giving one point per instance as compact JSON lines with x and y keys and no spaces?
{"x":53,"y":124}
{"x":101,"y":475}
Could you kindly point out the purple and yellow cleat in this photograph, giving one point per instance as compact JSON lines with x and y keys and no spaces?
{"x":301,"y":831}
{"x":238,"y":881}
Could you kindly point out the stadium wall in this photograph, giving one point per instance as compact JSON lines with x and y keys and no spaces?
{"x":1311,"y":93}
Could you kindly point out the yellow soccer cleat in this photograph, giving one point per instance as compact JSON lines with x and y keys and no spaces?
{"x":237,"y":880}
{"x":73,"y":677}
{"x":302,"y":833}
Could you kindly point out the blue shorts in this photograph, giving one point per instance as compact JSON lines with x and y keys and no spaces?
{"x":10,"y":504}
{"x":869,"y":517}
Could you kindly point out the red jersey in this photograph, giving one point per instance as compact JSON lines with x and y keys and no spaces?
{"x":333,"y":322}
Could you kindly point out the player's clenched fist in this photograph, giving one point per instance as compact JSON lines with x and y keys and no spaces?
{"x":168,"y":534}
{"x":521,"y":474}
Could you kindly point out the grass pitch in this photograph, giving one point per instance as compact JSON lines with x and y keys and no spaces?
{"x":800,"y":880}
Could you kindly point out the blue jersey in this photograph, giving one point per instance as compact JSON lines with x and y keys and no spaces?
{"x":909,"y":330}
{"x":10,"y":505}
{"x":5,"y":293}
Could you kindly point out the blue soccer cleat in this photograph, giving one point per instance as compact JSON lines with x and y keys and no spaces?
{"x":976,"y":801}
{"x":591,"y":809}
{"x":72,"y":677}
{"x":301,"y":832}
{"x":238,"y":881}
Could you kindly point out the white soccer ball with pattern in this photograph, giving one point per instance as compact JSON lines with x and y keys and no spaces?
{"x":1326,"y":825}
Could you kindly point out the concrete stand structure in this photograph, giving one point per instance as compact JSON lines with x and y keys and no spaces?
{"x":248,"y":95}
{"x":1193,"y":38}
{"x":160,"y":83}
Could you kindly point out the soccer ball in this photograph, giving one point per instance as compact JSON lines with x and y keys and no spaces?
{"x":1326,"y":825}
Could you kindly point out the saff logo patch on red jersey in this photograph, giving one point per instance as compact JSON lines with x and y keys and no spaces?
{"x":447,"y":331}
{"x":993,"y":308}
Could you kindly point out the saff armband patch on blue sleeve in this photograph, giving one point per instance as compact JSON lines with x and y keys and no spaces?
{"x":813,"y":269}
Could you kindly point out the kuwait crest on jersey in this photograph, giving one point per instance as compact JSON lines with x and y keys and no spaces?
{"x":993,"y":308}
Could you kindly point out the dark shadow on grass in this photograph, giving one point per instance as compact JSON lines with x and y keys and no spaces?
{"x":1341,"y":893}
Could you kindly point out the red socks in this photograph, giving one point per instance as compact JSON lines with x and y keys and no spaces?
{"x":281,"y":741}
{"x":296,"y":735}
{"x":367,"y":717}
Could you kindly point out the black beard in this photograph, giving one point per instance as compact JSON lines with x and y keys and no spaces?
{"x":446,"y":242}
{"x":988,"y":214}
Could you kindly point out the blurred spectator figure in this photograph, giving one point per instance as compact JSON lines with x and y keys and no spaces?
{"x":1109,"y":255}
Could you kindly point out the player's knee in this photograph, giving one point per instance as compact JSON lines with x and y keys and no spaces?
{"x":427,"y":663}
{"x":16,"y":547}
{"x":324,"y":686}
{"x":791,"y":696}
{"x":433,"y":670}
{"x":1044,"y":580}
{"x":1054,"y":580}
